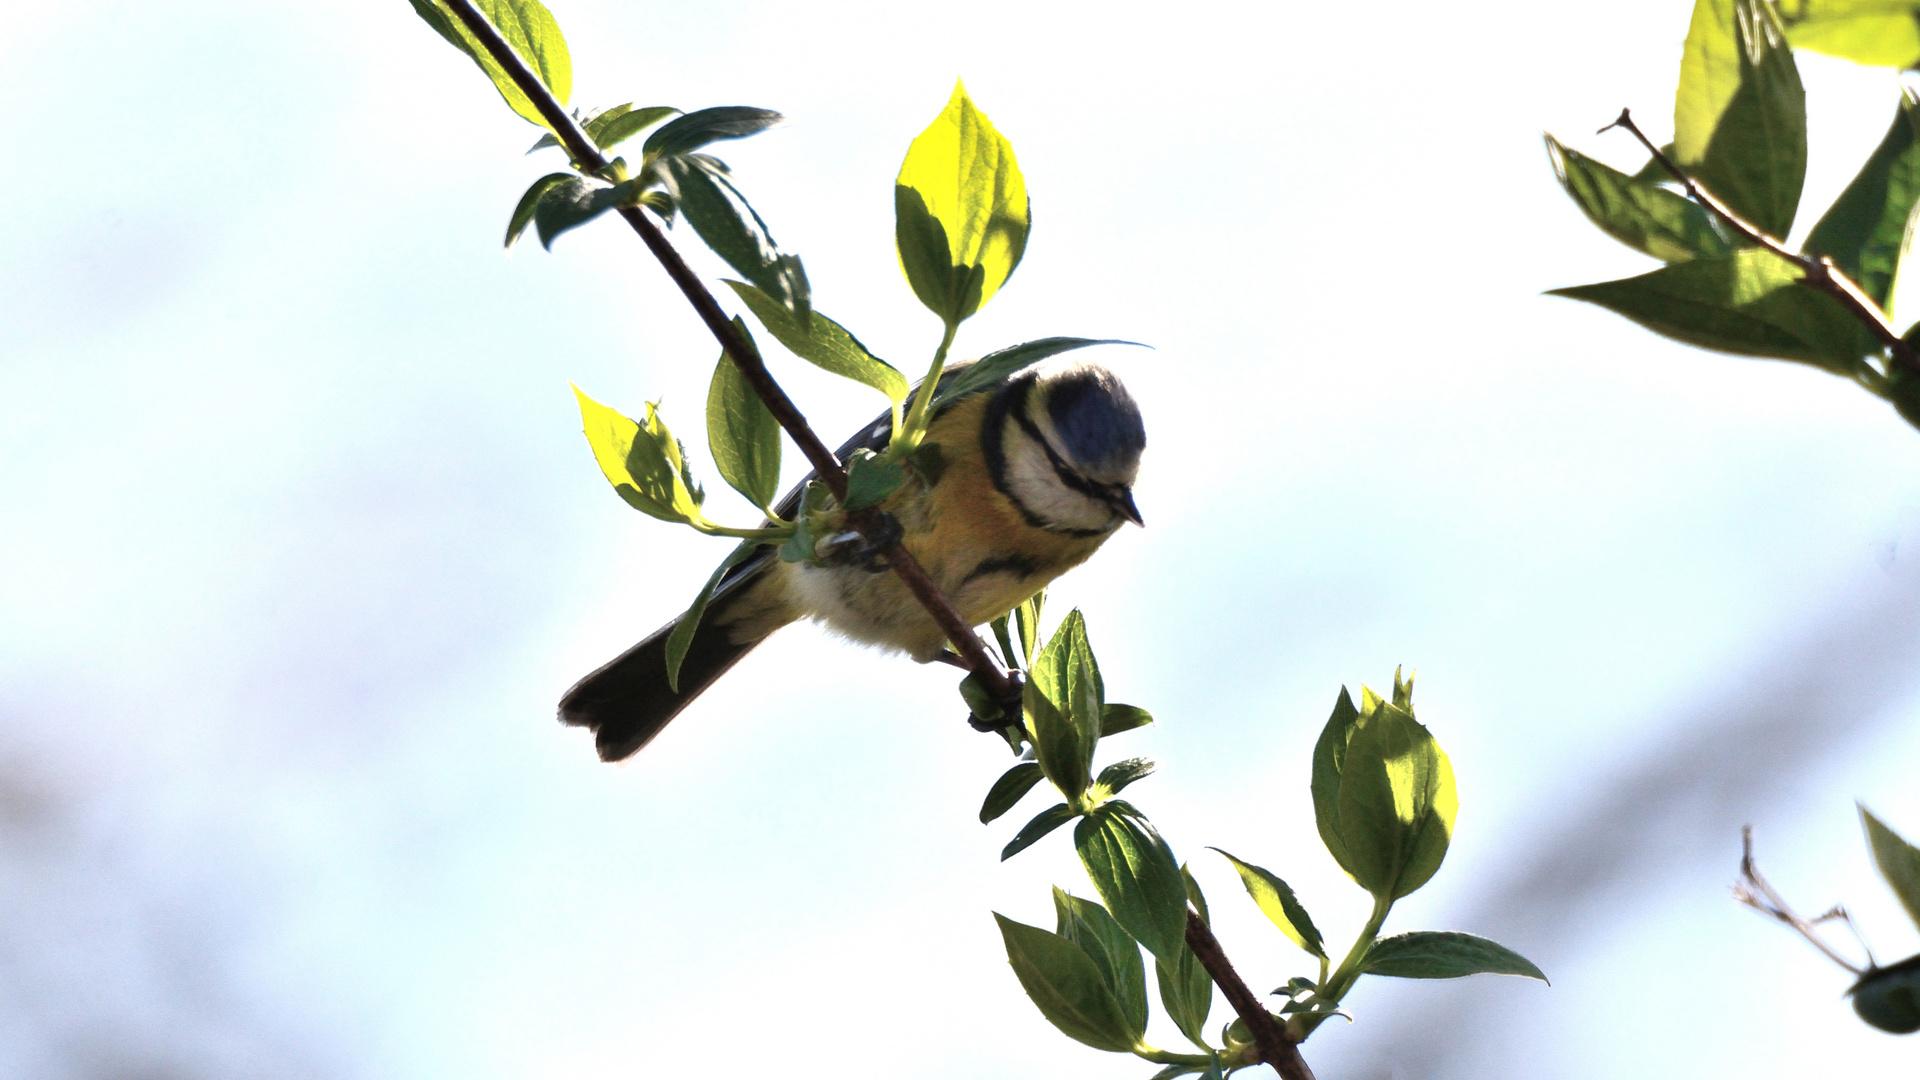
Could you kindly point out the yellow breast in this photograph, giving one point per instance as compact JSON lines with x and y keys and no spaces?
{"x":971,"y":539}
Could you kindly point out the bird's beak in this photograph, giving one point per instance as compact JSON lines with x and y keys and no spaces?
{"x":1123,"y":502}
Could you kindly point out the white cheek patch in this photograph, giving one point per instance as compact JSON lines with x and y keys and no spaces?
{"x":1033,"y":481}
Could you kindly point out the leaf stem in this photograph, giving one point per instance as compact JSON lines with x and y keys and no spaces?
{"x":909,"y":437}
{"x":766,"y":535}
{"x":1272,"y":1041}
{"x":1165,"y":1057}
{"x":825,"y":465}
{"x":1818,"y":273}
{"x":1333,"y":990}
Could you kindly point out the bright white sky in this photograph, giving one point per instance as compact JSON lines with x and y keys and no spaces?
{"x":300,"y":542}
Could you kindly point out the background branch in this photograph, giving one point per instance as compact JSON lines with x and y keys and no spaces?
{"x":827,"y":467}
{"x":1818,"y":273}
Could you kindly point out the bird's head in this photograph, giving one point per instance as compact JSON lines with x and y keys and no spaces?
{"x":1069,"y":440}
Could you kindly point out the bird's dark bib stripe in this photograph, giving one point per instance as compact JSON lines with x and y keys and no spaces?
{"x":1019,"y":566}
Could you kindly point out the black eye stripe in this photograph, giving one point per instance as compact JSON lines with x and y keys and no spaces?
{"x":1060,"y":467}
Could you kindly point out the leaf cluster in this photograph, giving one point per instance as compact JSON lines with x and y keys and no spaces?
{"x":1384,"y":803}
{"x":1740,"y":134}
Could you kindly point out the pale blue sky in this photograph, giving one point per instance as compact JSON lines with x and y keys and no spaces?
{"x":300,"y":542}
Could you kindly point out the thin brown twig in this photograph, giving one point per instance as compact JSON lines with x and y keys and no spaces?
{"x":1269,"y":1038}
{"x":1755,"y":892}
{"x":1817,"y":273}
{"x":825,"y":465}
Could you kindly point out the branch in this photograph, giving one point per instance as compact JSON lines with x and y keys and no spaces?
{"x":1818,"y":273}
{"x":825,"y":465}
{"x":1268,"y":1036}
{"x":1754,"y":891}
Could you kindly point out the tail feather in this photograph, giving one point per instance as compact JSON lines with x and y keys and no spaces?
{"x":627,"y":701}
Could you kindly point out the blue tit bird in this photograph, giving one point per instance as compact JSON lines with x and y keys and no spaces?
{"x":1035,"y":471}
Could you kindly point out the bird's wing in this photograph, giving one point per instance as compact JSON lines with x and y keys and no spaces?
{"x":875,"y":436}
{"x":959,"y":381}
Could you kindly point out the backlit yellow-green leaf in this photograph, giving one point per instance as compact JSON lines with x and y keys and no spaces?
{"x":1709,"y":78}
{"x":1739,"y":119}
{"x":961,"y":214}
{"x":1277,"y":902}
{"x":529,"y":28}
{"x":1884,"y":33}
{"x":642,"y":461}
{"x":1384,"y":793}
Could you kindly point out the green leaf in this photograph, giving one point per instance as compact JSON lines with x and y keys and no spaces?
{"x":660,"y":203}
{"x":1383,"y":792}
{"x":981,"y":703}
{"x":1889,"y":997}
{"x":611,"y":128}
{"x":1007,"y":791}
{"x":1002,"y":364}
{"x":1136,"y":875}
{"x":1329,"y":756}
{"x":1026,"y":615}
{"x":682,"y":636}
{"x":1063,"y":981}
{"x":1062,"y":703}
{"x":570,"y":203}
{"x":1429,"y":954}
{"x":1866,"y":230}
{"x":1899,"y":862}
{"x":1117,"y":718}
{"x":721,"y":215}
{"x":1883,"y":33}
{"x":870,"y":479}
{"x":1002,"y":636}
{"x":1740,"y":117}
{"x":1397,"y":800}
{"x":997,"y":367}
{"x":1043,"y":823}
{"x":1089,"y":926}
{"x":702,"y":126}
{"x":742,"y":433}
{"x":1186,"y":992}
{"x":1278,"y":904}
{"x":1903,"y":387}
{"x":800,"y":546}
{"x":523,"y":211}
{"x":960,"y":211}
{"x":589,"y":123}
{"x":823,"y":342}
{"x":1746,"y":303}
{"x":529,"y":28}
{"x":1194,"y":895}
{"x":643,"y":462}
{"x":1644,"y":216}
{"x":1118,"y":775}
